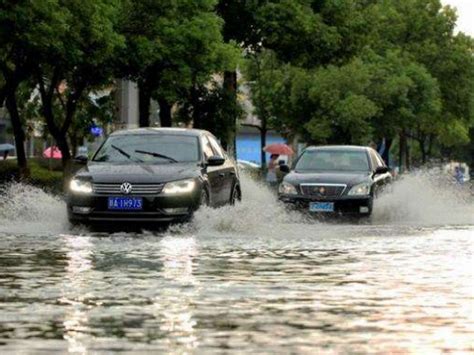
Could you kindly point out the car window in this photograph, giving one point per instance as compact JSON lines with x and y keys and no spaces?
{"x":207,"y":148}
{"x":333,"y":160}
{"x":148,"y":148}
{"x":216,"y":147}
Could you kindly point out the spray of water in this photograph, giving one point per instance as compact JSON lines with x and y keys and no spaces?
{"x":425,"y":197}
{"x":25,"y":209}
{"x":258,"y":214}
{"x":421,"y":198}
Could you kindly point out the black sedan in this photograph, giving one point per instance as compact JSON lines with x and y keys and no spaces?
{"x":152,"y":175}
{"x":335,"y":179}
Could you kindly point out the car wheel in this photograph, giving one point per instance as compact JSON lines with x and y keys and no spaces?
{"x":236,"y":195}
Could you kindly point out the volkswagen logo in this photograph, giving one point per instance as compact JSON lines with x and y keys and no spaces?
{"x":126,"y":188}
{"x":322,"y":190}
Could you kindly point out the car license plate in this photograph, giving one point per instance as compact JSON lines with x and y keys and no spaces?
{"x":125,"y":203}
{"x":321,"y":206}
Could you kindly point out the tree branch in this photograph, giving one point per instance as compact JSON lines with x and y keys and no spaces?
{"x":61,"y":101}
{"x":71,"y":105}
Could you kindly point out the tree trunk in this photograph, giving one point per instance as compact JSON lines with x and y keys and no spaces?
{"x":165,"y":112}
{"x":430,"y":145}
{"x":230,"y":88}
{"x":407,"y":155}
{"x":144,"y":99}
{"x":402,"y":155}
{"x":423,"y":151}
{"x":196,"y":115}
{"x":18,"y":132}
{"x":263,"y":143}
{"x":63,"y":146}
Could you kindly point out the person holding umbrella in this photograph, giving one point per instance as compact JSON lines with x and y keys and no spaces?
{"x":275,"y":150}
{"x":271,"y":169}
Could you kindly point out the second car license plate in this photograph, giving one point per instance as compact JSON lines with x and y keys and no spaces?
{"x":125,"y":203}
{"x":321,"y":206}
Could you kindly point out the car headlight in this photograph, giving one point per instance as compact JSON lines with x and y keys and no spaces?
{"x":80,"y":186}
{"x":360,"y":190}
{"x":286,"y":188}
{"x":179,"y":187}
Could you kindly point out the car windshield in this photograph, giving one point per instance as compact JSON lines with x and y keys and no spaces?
{"x":333,"y":160}
{"x":149,"y":149}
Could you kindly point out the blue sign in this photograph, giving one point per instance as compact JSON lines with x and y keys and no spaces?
{"x":96,"y":131}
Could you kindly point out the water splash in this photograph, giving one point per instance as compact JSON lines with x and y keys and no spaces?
{"x":421,"y":198}
{"x":258,"y":213}
{"x":25,"y":209}
{"x":425,"y":197}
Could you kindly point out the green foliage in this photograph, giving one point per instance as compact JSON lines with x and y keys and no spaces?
{"x":173,"y":45}
{"x":352,"y":71}
{"x":40,"y":176}
{"x":332,"y":71}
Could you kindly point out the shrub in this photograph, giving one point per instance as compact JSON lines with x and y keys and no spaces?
{"x":51,"y":181}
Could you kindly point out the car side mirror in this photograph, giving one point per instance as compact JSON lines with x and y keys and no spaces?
{"x":215,"y":160}
{"x":381,"y":170}
{"x":81,"y":159}
{"x":284,"y":168}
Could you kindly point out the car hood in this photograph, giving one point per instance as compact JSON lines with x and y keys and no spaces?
{"x":139,"y":173}
{"x":347,"y":178}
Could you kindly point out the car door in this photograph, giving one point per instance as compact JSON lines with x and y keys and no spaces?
{"x":226,"y":172}
{"x":213,"y":174}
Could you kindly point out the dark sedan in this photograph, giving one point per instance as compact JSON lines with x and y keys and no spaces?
{"x":335,"y":179}
{"x":153,"y":175}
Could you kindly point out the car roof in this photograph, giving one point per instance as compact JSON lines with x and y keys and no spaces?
{"x":353,"y":148}
{"x":161,"y":130}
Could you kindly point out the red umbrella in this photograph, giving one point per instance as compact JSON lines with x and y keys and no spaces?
{"x":52,"y":152}
{"x":279,"y":148}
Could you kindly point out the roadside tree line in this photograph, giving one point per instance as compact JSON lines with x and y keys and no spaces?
{"x":333,"y":71}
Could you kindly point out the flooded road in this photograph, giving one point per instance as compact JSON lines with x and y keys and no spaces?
{"x":254,"y":278}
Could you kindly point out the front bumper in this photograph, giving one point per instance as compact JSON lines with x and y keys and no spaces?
{"x":156,"y":208}
{"x":342,"y":204}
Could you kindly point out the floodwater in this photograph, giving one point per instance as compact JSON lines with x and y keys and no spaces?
{"x":254,"y":278}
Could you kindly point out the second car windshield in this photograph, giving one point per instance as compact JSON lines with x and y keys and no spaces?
{"x":327,"y":160}
{"x":148,"y":148}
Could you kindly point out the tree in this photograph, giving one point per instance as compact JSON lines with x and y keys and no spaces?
{"x":80,"y":61}
{"x":263,"y":72}
{"x":172,"y":46}
{"x":422,"y":31}
{"x":25,"y":27}
{"x":240,"y":26}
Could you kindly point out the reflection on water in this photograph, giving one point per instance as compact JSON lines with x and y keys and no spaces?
{"x":357,"y":292}
{"x":79,"y":251}
{"x":174,"y":305}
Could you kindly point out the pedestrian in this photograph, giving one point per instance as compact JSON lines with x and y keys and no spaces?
{"x":5,"y":155}
{"x":458,"y":175}
{"x":271,"y":169}
{"x":279,"y":174}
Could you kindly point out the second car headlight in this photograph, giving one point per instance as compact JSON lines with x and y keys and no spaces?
{"x":179,"y":187}
{"x":360,"y":190}
{"x":287,"y":189}
{"x":80,"y":186}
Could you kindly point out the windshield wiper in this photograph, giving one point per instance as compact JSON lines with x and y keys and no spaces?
{"x":125,"y":154}
{"x":158,"y":155}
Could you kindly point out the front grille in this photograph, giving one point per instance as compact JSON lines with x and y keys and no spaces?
{"x":137,"y":189}
{"x":322,"y":190}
